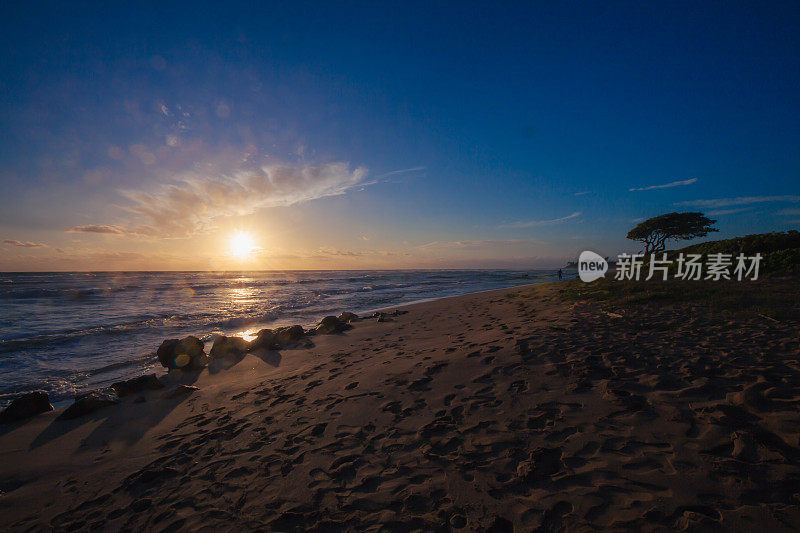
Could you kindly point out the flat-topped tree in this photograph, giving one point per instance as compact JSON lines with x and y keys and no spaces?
{"x":655,"y":232}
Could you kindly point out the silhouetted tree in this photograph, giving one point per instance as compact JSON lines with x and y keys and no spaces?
{"x":656,"y":231}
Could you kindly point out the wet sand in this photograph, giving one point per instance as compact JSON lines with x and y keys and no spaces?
{"x":514,"y":409}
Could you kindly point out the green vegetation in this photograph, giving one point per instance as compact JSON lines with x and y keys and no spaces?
{"x":766,"y":299}
{"x":780,"y":251}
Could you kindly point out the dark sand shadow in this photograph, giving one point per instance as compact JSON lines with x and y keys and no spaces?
{"x":127,"y":420}
{"x":133,"y":422}
{"x":180,"y":377}
{"x":219,"y":364}
{"x":10,"y":427}
{"x":271,"y":357}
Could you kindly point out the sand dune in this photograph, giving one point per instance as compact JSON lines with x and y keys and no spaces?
{"x":500,"y":411}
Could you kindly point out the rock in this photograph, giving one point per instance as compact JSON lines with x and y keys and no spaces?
{"x":330,"y":325}
{"x":265,"y":340}
{"x":229,"y":347}
{"x":137,"y":384}
{"x":347,"y":317}
{"x":385,"y":317}
{"x":26,"y":406}
{"x":90,"y":402}
{"x":286,"y":336}
{"x":396,"y":312}
{"x":187,"y":353}
{"x":180,"y":391}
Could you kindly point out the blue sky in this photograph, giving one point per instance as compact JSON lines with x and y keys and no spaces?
{"x":377,"y":135}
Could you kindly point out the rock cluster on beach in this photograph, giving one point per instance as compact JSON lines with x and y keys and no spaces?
{"x":189,"y":353}
{"x":177,"y":354}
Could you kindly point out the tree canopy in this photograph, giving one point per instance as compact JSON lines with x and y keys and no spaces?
{"x":655,"y":232}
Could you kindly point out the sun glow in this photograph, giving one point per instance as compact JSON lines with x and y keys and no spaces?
{"x":242,"y":245}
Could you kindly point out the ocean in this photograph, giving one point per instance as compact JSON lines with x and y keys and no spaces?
{"x":68,"y":332}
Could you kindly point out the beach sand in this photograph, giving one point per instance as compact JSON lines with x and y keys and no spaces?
{"x":514,"y":409}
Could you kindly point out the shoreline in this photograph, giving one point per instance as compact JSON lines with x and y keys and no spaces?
{"x":436,"y":299}
{"x":509,"y":408}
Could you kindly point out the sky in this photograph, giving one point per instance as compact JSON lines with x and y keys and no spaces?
{"x":339,"y":135}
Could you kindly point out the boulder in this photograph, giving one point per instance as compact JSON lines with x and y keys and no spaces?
{"x":228,"y":347}
{"x":330,"y":325}
{"x":26,"y":406}
{"x":137,"y":384}
{"x":90,"y":402}
{"x":180,"y":391}
{"x":186,"y":353}
{"x":347,"y":317}
{"x":265,"y":340}
{"x":288,"y":335}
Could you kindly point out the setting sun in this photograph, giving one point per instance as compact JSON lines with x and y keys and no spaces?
{"x":242,"y":245}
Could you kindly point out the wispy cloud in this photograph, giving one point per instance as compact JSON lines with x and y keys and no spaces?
{"x":330,"y":251}
{"x":741,"y":200}
{"x":190,"y":205}
{"x":24,"y":244}
{"x":97,"y":228}
{"x":788,"y":212}
{"x":532,"y":223}
{"x":385,"y":177}
{"x":666,"y":185}
{"x":469,"y":244}
{"x":581,"y":193}
{"x":721,"y":212}
{"x":401,"y":171}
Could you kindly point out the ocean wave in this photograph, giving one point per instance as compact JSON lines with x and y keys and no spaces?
{"x":165,"y":321}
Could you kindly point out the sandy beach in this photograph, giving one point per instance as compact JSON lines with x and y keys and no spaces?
{"x":510,"y":410}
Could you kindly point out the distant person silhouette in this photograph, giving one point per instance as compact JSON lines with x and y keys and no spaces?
{"x":560,"y":275}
